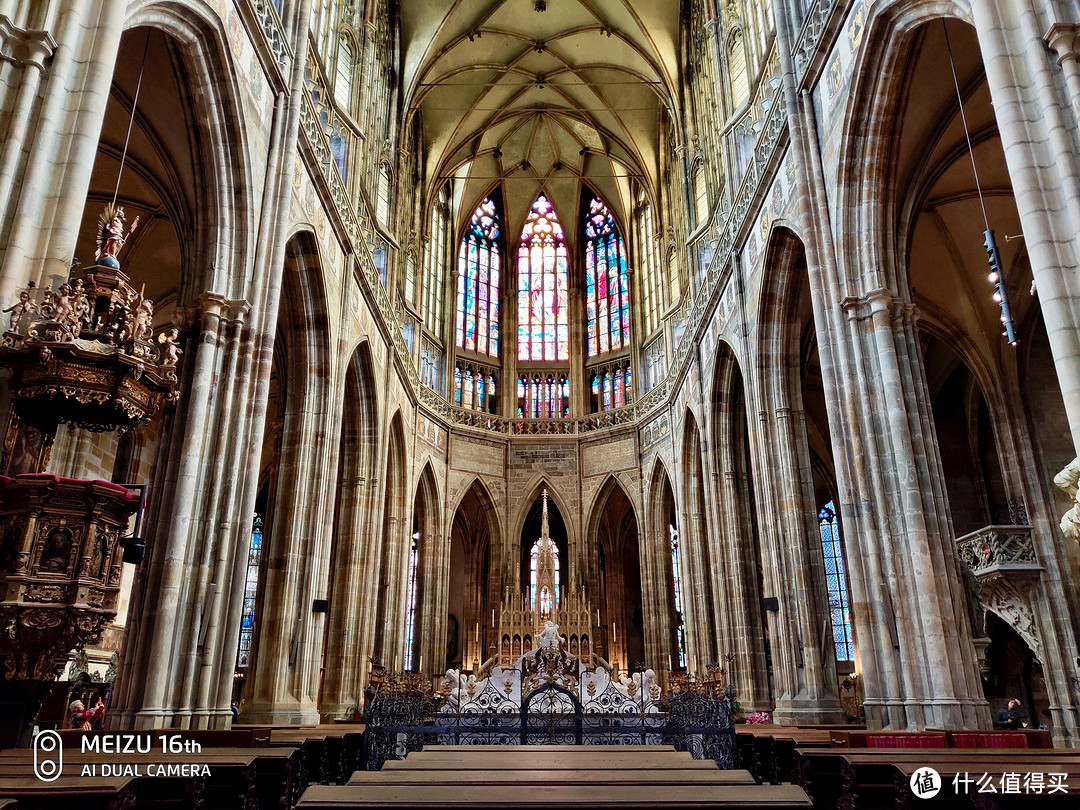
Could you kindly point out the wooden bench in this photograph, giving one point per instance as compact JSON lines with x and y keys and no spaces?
{"x":527,"y":776}
{"x":547,"y":776}
{"x":330,"y":752}
{"x":994,"y":771}
{"x":848,"y":778}
{"x":581,"y":794}
{"x":237,"y":778}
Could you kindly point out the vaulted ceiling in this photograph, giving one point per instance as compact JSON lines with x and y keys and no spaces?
{"x":541,"y":100}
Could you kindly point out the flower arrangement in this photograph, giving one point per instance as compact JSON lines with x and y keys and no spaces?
{"x":758,"y":718}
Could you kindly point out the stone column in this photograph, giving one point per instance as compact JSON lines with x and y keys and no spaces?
{"x":47,"y":156}
{"x":1035,"y":105}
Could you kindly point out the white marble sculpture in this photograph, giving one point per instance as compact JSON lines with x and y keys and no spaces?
{"x":1069,"y":481}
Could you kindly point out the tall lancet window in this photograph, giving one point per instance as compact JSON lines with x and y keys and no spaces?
{"x":251,"y":590}
{"x":676,"y":573}
{"x":478,"y":283}
{"x":543,"y":333}
{"x":608,"y":304}
{"x":410,"y":616}
{"x":534,"y":576}
{"x":836,"y":581}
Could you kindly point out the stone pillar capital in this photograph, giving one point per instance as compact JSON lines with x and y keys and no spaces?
{"x":24,"y":47}
{"x":1063,"y":40}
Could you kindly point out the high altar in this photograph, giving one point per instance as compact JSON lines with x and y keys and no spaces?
{"x":522,"y":616}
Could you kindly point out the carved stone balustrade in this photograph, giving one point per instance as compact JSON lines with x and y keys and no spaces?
{"x":993,"y":552}
{"x":60,"y":566}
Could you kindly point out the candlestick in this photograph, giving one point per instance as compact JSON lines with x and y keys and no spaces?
{"x":493,"y":617}
{"x":421,"y":669}
{"x":478,"y":632}
{"x":669,"y":663}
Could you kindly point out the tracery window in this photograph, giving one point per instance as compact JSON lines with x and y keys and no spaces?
{"x":701,"y":196}
{"x":836,"y":582}
{"x":543,"y":333}
{"x":611,"y":387}
{"x":676,"y":575}
{"x":649,"y":267}
{"x":251,"y":590}
{"x":607,"y":299}
{"x":478,"y":283}
{"x":431,"y":366}
{"x":474,"y":387}
{"x":655,"y":363}
{"x":382,"y":199}
{"x":740,"y":85}
{"x":543,"y":396}
{"x":534,"y":563}
{"x":435,"y":265}
{"x":410,"y":617}
{"x":343,"y":75}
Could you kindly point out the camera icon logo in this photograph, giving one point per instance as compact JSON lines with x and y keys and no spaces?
{"x":48,"y":756}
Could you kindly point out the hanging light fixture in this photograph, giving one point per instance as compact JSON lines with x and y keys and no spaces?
{"x":993,"y":256}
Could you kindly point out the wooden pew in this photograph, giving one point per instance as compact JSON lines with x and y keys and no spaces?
{"x":526,"y":776}
{"x":547,"y":776}
{"x":847,"y":777}
{"x":330,"y":752}
{"x":246,"y":777}
{"x":969,"y":795}
{"x":498,"y":797}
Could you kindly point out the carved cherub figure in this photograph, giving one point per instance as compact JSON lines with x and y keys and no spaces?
{"x":170,"y":340}
{"x":21,"y":307}
{"x":63,"y":311}
{"x":144,"y":320}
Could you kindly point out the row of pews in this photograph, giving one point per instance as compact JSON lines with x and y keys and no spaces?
{"x":250,"y":768}
{"x":875,"y":770}
{"x":496,"y":777}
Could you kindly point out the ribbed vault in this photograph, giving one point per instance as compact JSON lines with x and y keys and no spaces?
{"x":541,"y":99}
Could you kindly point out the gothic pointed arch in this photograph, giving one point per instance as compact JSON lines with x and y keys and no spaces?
{"x":354,"y":531}
{"x":615,"y":578}
{"x":698,"y":591}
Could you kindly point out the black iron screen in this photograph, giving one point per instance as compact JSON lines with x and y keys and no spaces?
{"x":404,"y":720}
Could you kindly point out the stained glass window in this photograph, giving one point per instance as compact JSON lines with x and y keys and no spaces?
{"x":543,"y":396}
{"x":676,"y":575}
{"x":836,"y":581}
{"x":478,"y":283}
{"x":543,"y":333}
{"x":534,"y":564}
{"x":607,"y":302}
{"x":611,"y":388}
{"x":410,"y":618}
{"x":251,"y":590}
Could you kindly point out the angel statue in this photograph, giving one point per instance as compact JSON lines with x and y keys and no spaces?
{"x":144,"y":320}
{"x":171,"y":341}
{"x":112,"y":236}
{"x":21,"y":307}
{"x":549,"y":636}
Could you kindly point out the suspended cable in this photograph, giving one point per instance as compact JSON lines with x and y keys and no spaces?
{"x":996,"y":277}
{"x":131,"y":120}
